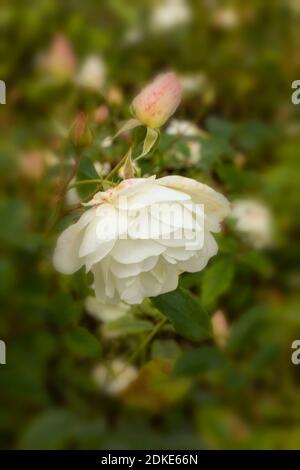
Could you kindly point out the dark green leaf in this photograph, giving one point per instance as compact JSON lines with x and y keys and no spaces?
{"x":51,"y":430}
{"x":82,"y":343}
{"x":220,"y":127}
{"x":185,"y":313}
{"x":216,"y":281}
{"x":199,"y":361}
{"x":86,"y":171}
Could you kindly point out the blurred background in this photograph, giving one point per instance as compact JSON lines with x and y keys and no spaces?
{"x":67,"y":382}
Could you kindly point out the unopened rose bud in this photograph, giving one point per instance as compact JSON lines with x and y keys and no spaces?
{"x":80,"y":134}
{"x":220,"y":328}
{"x":32,"y":165}
{"x":101,"y":114}
{"x":128,"y":170}
{"x":60,"y":61}
{"x":158,"y":101}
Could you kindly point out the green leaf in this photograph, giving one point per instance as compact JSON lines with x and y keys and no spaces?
{"x":213,"y":150}
{"x":253,"y":136}
{"x":150,"y":139}
{"x":86,"y":171}
{"x":245,"y":331}
{"x":257,"y":261}
{"x":216,"y":281}
{"x":167,"y":348}
{"x":62,"y":309}
{"x":199,"y":361}
{"x":220,"y":127}
{"x":185,"y":313}
{"x":82,"y":343}
{"x":126,"y":326}
{"x":237,"y":179}
{"x":49,"y":431}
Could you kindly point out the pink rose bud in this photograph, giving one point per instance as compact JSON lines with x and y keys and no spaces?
{"x":158,"y":101}
{"x":80,"y":133}
{"x":32,"y":165}
{"x":61,"y":60}
{"x":101,"y":114}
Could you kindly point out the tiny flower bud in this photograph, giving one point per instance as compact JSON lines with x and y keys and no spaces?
{"x":80,"y":133}
{"x":115,"y":96}
{"x":32,"y":165}
{"x":158,"y":101}
{"x":101,"y":114}
{"x":220,"y":328}
{"x":128,"y":169}
{"x":60,"y":61}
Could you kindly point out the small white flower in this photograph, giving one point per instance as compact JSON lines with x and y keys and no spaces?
{"x":51,"y":159}
{"x":169,"y":14}
{"x":105,"y":312}
{"x":226,"y":18}
{"x":107,"y":142}
{"x":102,"y":168}
{"x":138,"y":237}
{"x":254,"y":220}
{"x":92,"y":73}
{"x":114,"y":378}
{"x":187,"y":129}
{"x":193,"y":83}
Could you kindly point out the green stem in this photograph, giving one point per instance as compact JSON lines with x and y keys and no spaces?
{"x":79,"y":183}
{"x":147,"y":340}
{"x":116,"y":168}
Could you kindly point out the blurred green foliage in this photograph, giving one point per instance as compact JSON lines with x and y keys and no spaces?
{"x":192,"y":391}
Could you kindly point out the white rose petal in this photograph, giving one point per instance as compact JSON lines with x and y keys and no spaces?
{"x":138,"y":237}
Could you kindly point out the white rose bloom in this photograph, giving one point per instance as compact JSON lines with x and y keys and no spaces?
{"x":105,"y":312}
{"x":170,"y":13}
{"x":92,"y":73}
{"x":184,"y":128}
{"x":116,"y":377}
{"x":138,"y":237}
{"x":254,"y":220}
